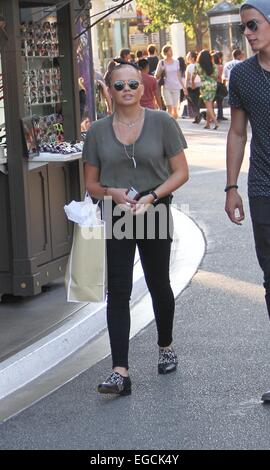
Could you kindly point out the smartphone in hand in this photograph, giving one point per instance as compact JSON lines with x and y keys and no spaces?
{"x":132,"y":193}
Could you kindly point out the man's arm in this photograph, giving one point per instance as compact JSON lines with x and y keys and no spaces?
{"x":157,"y":95}
{"x":159,"y":70}
{"x":188,"y":78}
{"x":236,"y":143}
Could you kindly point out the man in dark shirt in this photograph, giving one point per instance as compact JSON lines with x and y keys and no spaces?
{"x":250,"y":101}
{"x":124,"y":54}
{"x":152,"y":58}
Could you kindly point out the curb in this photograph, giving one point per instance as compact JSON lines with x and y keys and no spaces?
{"x":187,"y":252}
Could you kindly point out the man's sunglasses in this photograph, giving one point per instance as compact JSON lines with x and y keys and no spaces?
{"x":119,"y":85}
{"x":252,"y":25}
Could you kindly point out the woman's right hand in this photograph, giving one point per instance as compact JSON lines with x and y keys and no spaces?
{"x":119,"y":196}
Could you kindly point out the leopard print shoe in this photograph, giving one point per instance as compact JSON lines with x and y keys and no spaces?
{"x":167,"y":361}
{"x":116,"y":384}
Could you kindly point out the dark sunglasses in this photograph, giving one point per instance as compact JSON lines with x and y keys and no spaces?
{"x":252,"y":25}
{"x":119,"y":85}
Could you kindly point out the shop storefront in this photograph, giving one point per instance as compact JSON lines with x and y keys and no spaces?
{"x":224,"y":31}
{"x":40,"y":133}
{"x":124,"y":27}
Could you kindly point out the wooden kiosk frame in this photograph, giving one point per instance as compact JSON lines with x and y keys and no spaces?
{"x":35,"y":236}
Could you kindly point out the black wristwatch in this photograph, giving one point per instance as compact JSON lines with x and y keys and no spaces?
{"x":155,"y":196}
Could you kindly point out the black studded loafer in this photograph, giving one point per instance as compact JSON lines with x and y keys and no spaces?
{"x":116,"y":384}
{"x":167,"y":361}
{"x":266,"y":397}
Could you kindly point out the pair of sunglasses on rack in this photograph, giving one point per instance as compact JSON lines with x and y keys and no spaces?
{"x":252,"y":25}
{"x":119,"y":85}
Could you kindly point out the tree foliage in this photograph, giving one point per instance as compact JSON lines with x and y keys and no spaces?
{"x":192,"y":13}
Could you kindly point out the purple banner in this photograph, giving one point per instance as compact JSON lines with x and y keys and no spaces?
{"x":84,"y":71}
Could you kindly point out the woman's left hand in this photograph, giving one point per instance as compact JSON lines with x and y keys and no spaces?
{"x":142,"y":205}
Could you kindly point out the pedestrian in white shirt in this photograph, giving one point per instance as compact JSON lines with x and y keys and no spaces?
{"x":228,"y":66}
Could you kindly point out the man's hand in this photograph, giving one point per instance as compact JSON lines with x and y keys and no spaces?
{"x":234,"y":207}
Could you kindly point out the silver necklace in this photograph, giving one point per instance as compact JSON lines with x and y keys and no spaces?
{"x":131,"y":157}
{"x":129,"y":124}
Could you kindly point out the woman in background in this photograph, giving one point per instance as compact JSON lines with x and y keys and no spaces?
{"x":172,"y":80}
{"x":220,"y":95}
{"x":208,"y":74}
{"x":182,"y":66}
{"x":82,"y":95}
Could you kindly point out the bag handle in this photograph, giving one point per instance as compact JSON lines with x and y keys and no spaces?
{"x":93,"y":207}
{"x":164,"y":67}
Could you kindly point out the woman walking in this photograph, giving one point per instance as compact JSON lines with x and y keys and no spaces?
{"x":170,"y":68}
{"x":193,"y":94}
{"x":217,"y":58}
{"x":208,"y":73}
{"x":142,"y":148}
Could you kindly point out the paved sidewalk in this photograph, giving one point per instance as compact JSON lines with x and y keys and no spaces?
{"x":40,"y":368}
{"x":221,"y":336}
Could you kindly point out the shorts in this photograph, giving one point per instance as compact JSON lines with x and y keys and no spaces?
{"x":171,"y":97}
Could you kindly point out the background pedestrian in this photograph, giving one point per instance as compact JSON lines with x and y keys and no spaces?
{"x":249,"y":92}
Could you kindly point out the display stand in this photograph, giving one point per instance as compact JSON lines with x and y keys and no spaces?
{"x":39,"y":80}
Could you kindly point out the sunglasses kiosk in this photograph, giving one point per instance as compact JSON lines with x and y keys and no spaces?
{"x":40,"y":105}
{"x":225,"y":35}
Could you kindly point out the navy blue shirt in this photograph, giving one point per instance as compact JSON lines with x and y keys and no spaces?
{"x":249,"y":89}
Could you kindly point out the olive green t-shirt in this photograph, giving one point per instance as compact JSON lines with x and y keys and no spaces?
{"x":160,"y":139}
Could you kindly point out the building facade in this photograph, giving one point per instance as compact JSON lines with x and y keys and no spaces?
{"x":125,"y":27}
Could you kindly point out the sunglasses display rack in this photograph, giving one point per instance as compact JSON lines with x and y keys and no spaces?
{"x":39,"y":39}
{"x":41,"y":86}
{"x":40,"y":58}
{"x":40,"y":54}
{"x":41,"y":79}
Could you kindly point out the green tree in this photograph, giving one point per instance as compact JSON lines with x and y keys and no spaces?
{"x":192,"y":13}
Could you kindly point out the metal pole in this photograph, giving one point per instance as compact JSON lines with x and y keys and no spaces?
{"x":92,"y":77}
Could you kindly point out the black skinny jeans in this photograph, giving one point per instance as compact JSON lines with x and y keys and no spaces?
{"x":194,"y":96}
{"x":155,"y":259}
{"x":219,"y":102}
{"x":260,"y":215}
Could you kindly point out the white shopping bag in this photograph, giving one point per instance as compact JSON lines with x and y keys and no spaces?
{"x":86,"y":269}
{"x":83,"y":213}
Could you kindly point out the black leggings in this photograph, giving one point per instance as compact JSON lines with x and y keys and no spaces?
{"x":155,"y":259}
{"x":194,"y":100}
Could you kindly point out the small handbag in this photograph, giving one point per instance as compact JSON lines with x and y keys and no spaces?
{"x":222,"y":91}
{"x":161,"y":80}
